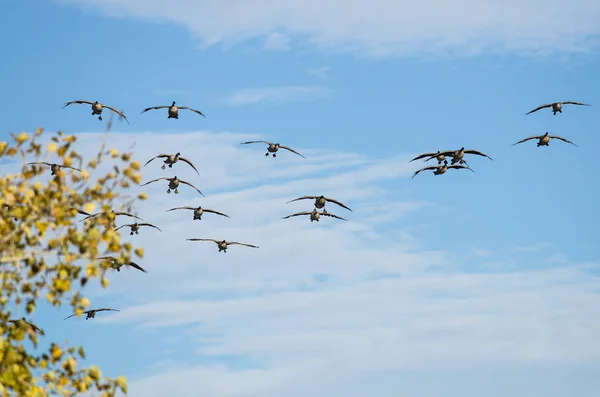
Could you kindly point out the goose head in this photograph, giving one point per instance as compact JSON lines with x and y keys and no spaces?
{"x":173,"y":104}
{"x":95,"y":102}
{"x":546,"y":134}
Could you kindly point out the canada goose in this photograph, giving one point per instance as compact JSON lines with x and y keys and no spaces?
{"x":315,"y":215}
{"x":115,"y":264}
{"x":173,"y":110}
{"x":223,"y":244}
{"x":31,"y":326}
{"x":438,"y":156}
{"x":135,"y":227}
{"x":441,"y":169}
{"x":54,"y":167}
{"x":320,"y":201}
{"x":92,"y":313}
{"x":171,"y":159}
{"x":273,"y":148}
{"x":544,"y":140}
{"x":111,"y":216}
{"x":97,"y":108}
{"x":556,"y":106}
{"x":458,"y":155}
{"x":198,"y":211}
{"x":173,"y":184}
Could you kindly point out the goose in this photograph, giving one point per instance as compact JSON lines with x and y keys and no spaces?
{"x":315,"y":215}
{"x":171,"y":159}
{"x":97,"y":108}
{"x":441,"y":169}
{"x":111,"y":216}
{"x":544,"y":140}
{"x":438,"y":156}
{"x":173,"y":110}
{"x":198,"y":211}
{"x":53,"y":167}
{"x":135,"y":227}
{"x":458,"y":155}
{"x":320,"y":201}
{"x":173,"y":184}
{"x":31,"y":326}
{"x":92,"y":313}
{"x":115,"y":264}
{"x":273,"y":148}
{"x":223,"y":244}
{"x":556,"y":106}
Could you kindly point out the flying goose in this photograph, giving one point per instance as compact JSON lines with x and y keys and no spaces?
{"x":173,"y":110}
{"x":173,"y":184}
{"x":441,"y":169}
{"x":30,"y":325}
{"x":458,"y":155}
{"x":97,"y":108}
{"x":556,"y":106}
{"x":115,"y":264}
{"x":92,"y":313}
{"x":135,"y":227}
{"x":438,"y":156}
{"x":320,"y":201}
{"x":544,"y":140}
{"x":223,"y":244}
{"x":198,"y":211}
{"x":171,"y":159}
{"x":53,"y":167}
{"x":273,"y":148}
{"x":315,"y":215}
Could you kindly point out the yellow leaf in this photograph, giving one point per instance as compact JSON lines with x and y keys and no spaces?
{"x":22,"y":137}
{"x":139,"y":252}
{"x":122,"y":383}
{"x":85,"y":302}
{"x":114,"y":152}
{"x":52,"y":147}
{"x":89,"y":207}
{"x":105,"y":282}
{"x":142,"y":196}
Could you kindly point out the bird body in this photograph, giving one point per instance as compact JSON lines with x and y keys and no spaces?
{"x":273,"y":148}
{"x":441,"y":169}
{"x":171,"y":159}
{"x":92,"y":313}
{"x":54,"y":168}
{"x":315,"y":215}
{"x":97,"y":108}
{"x":135,"y":227}
{"x":222,"y":244}
{"x":117,"y":265}
{"x":556,"y":106}
{"x":438,"y":156}
{"x":198,"y":211}
{"x":173,"y":111}
{"x":544,"y":140}
{"x":320,"y":201}
{"x":174,"y":184}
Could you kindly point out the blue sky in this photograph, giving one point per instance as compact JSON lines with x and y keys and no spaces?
{"x":485,"y":281}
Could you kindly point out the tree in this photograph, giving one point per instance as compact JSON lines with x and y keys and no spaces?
{"x":46,"y":253}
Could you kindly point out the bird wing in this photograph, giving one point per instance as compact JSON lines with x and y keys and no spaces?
{"x":129,"y":215}
{"x":458,"y":166}
{"x":526,"y":139}
{"x":111,"y":258}
{"x":189,"y":184}
{"x":245,"y":143}
{"x":103,"y":310}
{"x":82,"y":212}
{"x":91,"y":216}
{"x":117,"y":112}
{"x":68,"y":166}
{"x":204,"y":239}
{"x":338,"y":203}
{"x":123,"y":226}
{"x":193,"y":110}
{"x":538,"y":108}
{"x":236,"y":243}
{"x":574,"y":103}
{"x":333,"y":216}
{"x":215,"y":212}
{"x":562,"y":139}
{"x":431,"y":167}
{"x":154,"y":108}
{"x":478,"y":153}
{"x":156,"y":180}
{"x":304,"y":198}
{"x":78,"y":101}
{"x":189,"y":162}
{"x":150,"y":225}
{"x":74,"y":314}
{"x":39,"y":162}
{"x":447,"y":153}
{"x":297,"y":214}
{"x":181,"y":208}
{"x":431,"y":155}
{"x":136,"y":266}
{"x":155,"y":157}
{"x":291,"y":150}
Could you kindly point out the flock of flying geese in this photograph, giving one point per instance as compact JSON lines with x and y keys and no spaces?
{"x":456,"y":157}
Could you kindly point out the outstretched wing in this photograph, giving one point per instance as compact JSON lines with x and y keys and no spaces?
{"x":39,"y":162}
{"x":121,"y":114}
{"x":245,"y":245}
{"x":338,"y":203}
{"x":155,"y":157}
{"x":459,"y":166}
{"x":477,"y":152}
{"x":422,"y":156}
{"x":136,"y":266}
{"x":103,"y":310}
{"x":333,"y":216}
{"x":526,"y":139}
{"x":78,"y":102}
{"x":189,"y":184}
{"x":74,"y":314}
{"x":149,"y":225}
{"x":245,"y":143}
{"x":562,"y":139}
{"x":574,"y":103}
{"x":431,"y":167}
{"x":291,"y":150}
{"x":204,"y":239}
{"x":154,"y":108}
{"x":215,"y":212}
{"x":538,"y":108}
{"x":129,"y":225}
{"x":193,"y":110}
{"x":156,"y":180}
{"x":303,"y":198}
{"x":181,"y":208}
{"x":110,"y":258}
{"x":189,"y":162}
{"x":68,"y":166}
{"x":128,"y":214}
{"x":297,"y":214}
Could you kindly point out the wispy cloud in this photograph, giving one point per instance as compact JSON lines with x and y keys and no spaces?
{"x":277,"y":41}
{"x":277,"y":94}
{"x":380,"y":28}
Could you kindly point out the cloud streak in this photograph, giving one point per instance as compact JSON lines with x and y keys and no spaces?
{"x":277,"y":94}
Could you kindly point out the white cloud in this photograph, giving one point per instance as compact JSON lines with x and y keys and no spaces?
{"x":336,"y":308}
{"x":277,"y":94}
{"x":381,"y":27}
{"x":277,"y":41}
